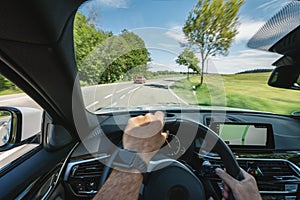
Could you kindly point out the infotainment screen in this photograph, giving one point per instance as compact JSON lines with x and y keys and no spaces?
{"x":252,"y":135}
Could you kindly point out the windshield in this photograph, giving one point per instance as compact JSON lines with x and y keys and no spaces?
{"x":135,"y":54}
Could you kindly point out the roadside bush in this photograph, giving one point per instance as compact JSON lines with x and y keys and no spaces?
{"x":5,"y":83}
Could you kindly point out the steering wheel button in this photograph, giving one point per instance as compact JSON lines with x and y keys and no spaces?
{"x":80,"y":187}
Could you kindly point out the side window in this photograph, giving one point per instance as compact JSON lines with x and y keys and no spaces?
{"x":20,"y":123}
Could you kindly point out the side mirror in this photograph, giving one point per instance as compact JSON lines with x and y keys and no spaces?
{"x":17,"y":125}
{"x":5,"y":126}
{"x":285,"y":77}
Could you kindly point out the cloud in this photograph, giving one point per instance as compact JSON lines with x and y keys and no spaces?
{"x":114,"y":3}
{"x":176,"y":33}
{"x":169,"y":46}
{"x":273,"y":4}
{"x":163,"y":39}
{"x":154,"y":66}
{"x":244,"y":60}
{"x":247,"y":29}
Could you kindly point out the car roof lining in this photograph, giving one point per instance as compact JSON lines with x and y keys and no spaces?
{"x":38,"y":21}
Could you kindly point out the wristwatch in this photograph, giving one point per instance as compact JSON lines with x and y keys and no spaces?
{"x":129,"y":160}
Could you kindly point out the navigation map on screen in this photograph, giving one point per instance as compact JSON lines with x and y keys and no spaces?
{"x":242,"y":134}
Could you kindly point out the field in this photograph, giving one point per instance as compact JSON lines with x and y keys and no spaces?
{"x":248,"y":91}
{"x":10,"y":91}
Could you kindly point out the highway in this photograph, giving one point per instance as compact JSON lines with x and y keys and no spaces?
{"x":113,"y":95}
{"x":18,"y":100}
{"x":130,"y":95}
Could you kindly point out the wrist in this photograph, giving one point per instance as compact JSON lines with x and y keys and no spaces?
{"x":129,"y":161}
{"x":128,"y":171}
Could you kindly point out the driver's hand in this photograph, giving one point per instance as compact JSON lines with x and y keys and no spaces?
{"x":245,"y":189}
{"x":143,"y":134}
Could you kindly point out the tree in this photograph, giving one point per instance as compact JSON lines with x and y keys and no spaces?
{"x":103,"y":57}
{"x":86,"y":38}
{"x":128,"y":58}
{"x":211,"y":27}
{"x":188,"y":58}
{"x":5,"y":83}
{"x":115,"y":57}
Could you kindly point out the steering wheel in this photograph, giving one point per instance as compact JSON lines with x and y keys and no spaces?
{"x":169,"y":179}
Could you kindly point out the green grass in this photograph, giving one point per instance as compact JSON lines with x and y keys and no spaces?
{"x":10,"y":91}
{"x":248,"y":91}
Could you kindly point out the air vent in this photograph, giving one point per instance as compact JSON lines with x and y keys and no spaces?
{"x":89,"y":169}
{"x":277,"y":168}
{"x":270,"y":186}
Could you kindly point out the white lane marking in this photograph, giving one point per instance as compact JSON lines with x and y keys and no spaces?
{"x":122,"y":97}
{"x":113,"y":104}
{"x":14,"y":99}
{"x":106,"y":97}
{"x":175,"y":95}
{"x":123,"y":89}
{"x":104,"y":85}
{"x":92,"y":104}
{"x":131,"y":91}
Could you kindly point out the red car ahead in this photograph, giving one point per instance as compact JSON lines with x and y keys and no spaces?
{"x":140,"y":79}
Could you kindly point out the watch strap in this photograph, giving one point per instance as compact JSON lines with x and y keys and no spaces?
{"x":129,"y":160}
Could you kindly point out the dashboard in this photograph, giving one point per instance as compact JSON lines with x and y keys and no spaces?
{"x":271,"y":156}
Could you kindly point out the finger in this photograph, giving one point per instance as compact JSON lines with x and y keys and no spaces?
{"x":159,"y":115}
{"x":226,"y":188}
{"x":144,"y":131}
{"x":164,"y":138}
{"x":149,"y":118}
{"x":229,"y":180}
{"x":225,"y":194}
{"x":245,"y":174}
{"x":135,"y":121}
{"x":143,"y":120}
{"x":165,"y":135}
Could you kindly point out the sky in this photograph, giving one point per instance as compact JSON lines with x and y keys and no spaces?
{"x":159,"y":23}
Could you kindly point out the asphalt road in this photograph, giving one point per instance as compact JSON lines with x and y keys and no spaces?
{"x":129,"y":94}
{"x":18,"y":100}
{"x":113,"y":95}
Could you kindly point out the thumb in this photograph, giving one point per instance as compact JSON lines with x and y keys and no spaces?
{"x":229,"y":180}
{"x":164,"y":135}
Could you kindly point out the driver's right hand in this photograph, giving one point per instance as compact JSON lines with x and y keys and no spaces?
{"x":245,"y":189}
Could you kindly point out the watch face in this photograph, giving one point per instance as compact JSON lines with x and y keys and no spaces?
{"x":129,"y":160}
{"x":125,"y":158}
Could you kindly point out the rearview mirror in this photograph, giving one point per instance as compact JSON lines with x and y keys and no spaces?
{"x":285,"y":77}
{"x":17,"y":125}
